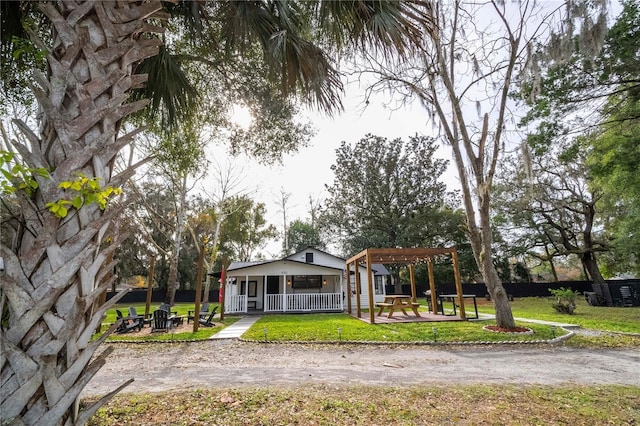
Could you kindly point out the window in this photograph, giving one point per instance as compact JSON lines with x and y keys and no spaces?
{"x":353,"y":286}
{"x":378,"y":284}
{"x":308,"y":257}
{"x":306,"y":281}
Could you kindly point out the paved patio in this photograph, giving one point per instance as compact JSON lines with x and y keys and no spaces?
{"x":399,"y":317}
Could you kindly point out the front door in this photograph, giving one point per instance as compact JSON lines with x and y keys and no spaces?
{"x":273,"y":284}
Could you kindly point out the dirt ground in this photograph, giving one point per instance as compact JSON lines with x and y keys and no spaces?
{"x":231,"y":364}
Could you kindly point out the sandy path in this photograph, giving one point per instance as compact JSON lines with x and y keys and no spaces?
{"x":224,"y":364}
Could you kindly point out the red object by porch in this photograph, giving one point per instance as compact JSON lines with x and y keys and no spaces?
{"x":221,"y":290}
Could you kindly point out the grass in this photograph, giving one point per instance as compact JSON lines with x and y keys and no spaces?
{"x":414,"y":405}
{"x":591,"y":317}
{"x":365,"y":405}
{"x":181,"y":309}
{"x":336,"y":327}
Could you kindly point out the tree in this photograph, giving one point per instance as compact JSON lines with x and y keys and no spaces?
{"x":464,"y":78}
{"x":387,"y":193}
{"x":614,"y":164}
{"x":208,"y":224}
{"x":284,"y":200}
{"x":548,"y":202}
{"x":245,"y":230}
{"x":594,"y":97}
{"x":152,"y":221}
{"x":55,"y":265}
{"x":301,"y":235}
{"x":614,"y":156}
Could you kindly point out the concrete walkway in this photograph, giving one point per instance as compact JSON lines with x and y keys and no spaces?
{"x":236,"y":329}
{"x":535,"y":321}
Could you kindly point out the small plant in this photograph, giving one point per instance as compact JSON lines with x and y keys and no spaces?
{"x":565,"y":300}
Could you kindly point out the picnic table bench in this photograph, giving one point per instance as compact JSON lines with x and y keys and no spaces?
{"x":397,"y":302}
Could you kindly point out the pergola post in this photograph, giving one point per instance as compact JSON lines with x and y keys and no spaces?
{"x":456,"y":274}
{"x":358,"y":304}
{"x":348,"y":291}
{"x":372,"y":313}
{"x":412,"y":277}
{"x":432,"y":286}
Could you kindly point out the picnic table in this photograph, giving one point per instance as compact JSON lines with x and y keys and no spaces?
{"x":398,"y":302}
{"x":453,"y":298}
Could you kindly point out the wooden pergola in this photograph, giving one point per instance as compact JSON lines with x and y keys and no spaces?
{"x":407,"y":256}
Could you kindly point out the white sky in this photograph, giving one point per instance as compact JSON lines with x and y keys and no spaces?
{"x":307,"y":172}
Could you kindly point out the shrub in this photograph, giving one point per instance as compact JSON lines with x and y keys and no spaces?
{"x":565,"y":300}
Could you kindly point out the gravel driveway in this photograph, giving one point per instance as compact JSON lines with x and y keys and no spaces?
{"x":231,"y":363}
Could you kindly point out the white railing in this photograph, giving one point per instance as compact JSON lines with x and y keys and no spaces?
{"x":310,"y":302}
{"x":236,"y":303}
{"x":275,"y":303}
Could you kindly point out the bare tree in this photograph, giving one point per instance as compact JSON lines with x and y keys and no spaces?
{"x":463,"y":79}
{"x":284,"y":201}
{"x":229,"y":184}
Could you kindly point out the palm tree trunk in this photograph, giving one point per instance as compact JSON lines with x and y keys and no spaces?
{"x":54,"y":271}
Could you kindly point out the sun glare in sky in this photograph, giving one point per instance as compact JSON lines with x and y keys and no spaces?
{"x":241,"y":116}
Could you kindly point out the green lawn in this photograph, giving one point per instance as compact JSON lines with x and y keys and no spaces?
{"x":586,"y":316}
{"x":342,"y":327}
{"x":336,"y":327}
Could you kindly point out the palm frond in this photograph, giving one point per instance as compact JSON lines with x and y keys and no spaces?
{"x":389,"y":26}
{"x":168,"y":88}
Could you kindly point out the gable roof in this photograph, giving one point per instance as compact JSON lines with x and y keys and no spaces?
{"x":377,"y":268}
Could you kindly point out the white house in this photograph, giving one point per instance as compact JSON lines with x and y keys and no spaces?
{"x":308,"y":281}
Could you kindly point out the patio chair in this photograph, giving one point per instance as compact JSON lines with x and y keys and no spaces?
{"x":160,"y":321}
{"x":208,"y":322}
{"x":134,"y":314}
{"x":127,"y":324}
{"x":167,"y":307}
{"x":625,"y":294}
{"x":204,"y":311}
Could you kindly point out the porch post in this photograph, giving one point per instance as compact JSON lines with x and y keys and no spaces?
{"x":284,"y":295}
{"x":264,"y":293}
{"x":246,"y":293}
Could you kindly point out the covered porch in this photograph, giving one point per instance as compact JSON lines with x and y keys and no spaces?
{"x":287,"y":293}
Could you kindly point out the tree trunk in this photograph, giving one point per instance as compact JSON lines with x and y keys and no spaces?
{"x":214,"y":256}
{"x":177,"y":244}
{"x":591,"y":266}
{"x":53,"y":276}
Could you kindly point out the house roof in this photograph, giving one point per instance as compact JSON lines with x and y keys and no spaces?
{"x":377,"y":268}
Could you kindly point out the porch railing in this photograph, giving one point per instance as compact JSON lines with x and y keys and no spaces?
{"x":233,"y":304}
{"x":310,"y":302}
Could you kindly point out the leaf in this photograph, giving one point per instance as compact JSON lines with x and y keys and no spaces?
{"x":77,"y":202}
